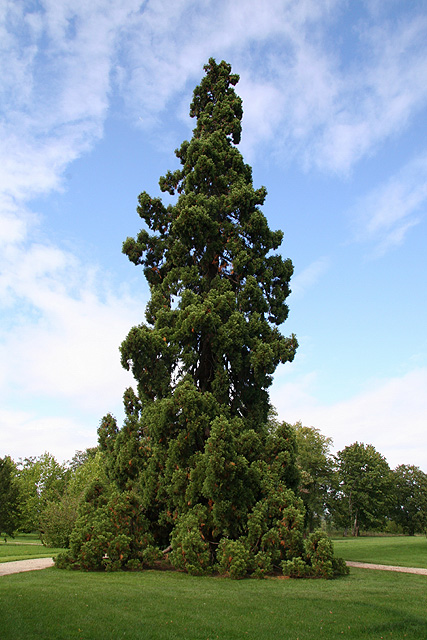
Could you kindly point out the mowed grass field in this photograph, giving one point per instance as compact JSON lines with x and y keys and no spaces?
{"x":62,"y":605}
{"x":401,"y":551}
{"x":65,"y":605}
{"x":24,"y":547}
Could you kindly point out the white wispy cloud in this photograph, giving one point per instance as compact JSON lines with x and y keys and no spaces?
{"x":57,"y":60}
{"x":61,"y":327}
{"x":380,"y":95}
{"x":391,"y":415}
{"x":309,"y":276}
{"x":305,"y":99}
{"x":385,"y":215}
{"x":60,"y":62}
{"x":286,"y":79}
{"x":59,"y":356}
{"x":23,"y":434}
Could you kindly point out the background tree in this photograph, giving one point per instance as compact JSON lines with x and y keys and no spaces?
{"x":212,"y":480}
{"x":80,"y":458}
{"x":315,"y":463}
{"x":409,"y":508}
{"x":40,"y":480}
{"x":59,"y":514}
{"x":9,"y":497}
{"x":362,"y":496}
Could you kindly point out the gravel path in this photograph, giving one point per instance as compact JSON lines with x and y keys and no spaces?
{"x":6,"y":568}
{"x":387,"y":567}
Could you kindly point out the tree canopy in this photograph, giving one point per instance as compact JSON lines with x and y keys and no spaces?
{"x":9,"y":497}
{"x":196,"y":466}
{"x":363,"y":491}
{"x":40,"y":480}
{"x":315,"y":464}
{"x":217,"y":293}
{"x":409,"y":499}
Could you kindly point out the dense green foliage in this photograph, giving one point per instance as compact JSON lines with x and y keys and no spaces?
{"x":315,"y":465}
{"x":59,"y":515}
{"x":198,"y":470}
{"x":39,"y":495}
{"x":9,"y":497}
{"x":363,"y":491}
{"x":409,"y":500}
{"x":356,"y":490}
{"x":41,"y":480}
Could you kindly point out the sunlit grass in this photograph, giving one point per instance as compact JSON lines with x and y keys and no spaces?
{"x":157,"y":605}
{"x":404,"y":551}
{"x":164,"y":605}
{"x":24,"y":547}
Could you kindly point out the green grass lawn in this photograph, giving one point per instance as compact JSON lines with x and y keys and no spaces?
{"x":403,"y":551}
{"x":156,"y":605}
{"x":24,"y":547}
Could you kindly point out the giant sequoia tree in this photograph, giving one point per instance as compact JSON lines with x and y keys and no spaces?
{"x":212,"y":480}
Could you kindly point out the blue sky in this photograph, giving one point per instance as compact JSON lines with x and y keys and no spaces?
{"x":94,"y":100}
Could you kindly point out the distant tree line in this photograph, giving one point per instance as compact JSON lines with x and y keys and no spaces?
{"x":353,"y":491}
{"x":38,"y":494}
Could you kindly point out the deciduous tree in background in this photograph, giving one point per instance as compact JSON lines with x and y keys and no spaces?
{"x":409,"y":508}
{"x":364,"y":488}
{"x":41,"y":480}
{"x":9,"y":497}
{"x":214,"y":482}
{"x":315,"y":463}
{"x":59,"y":513}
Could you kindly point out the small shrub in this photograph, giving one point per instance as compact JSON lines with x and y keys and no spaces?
{"x":109,"y":533}
{"x":339,"y":567}
{"x":233,"y":558}
{"x":262,"y":565}
{"x":296,"y":568}
{"x":57,"y":521}
{"x":319,"y":553}
{"x":190,"y":550}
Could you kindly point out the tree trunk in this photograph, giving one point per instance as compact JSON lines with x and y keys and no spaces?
{"x":355,"y":526}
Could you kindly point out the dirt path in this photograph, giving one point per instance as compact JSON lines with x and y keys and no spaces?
{"x":387,"y":567}
{"x":18,"y":566}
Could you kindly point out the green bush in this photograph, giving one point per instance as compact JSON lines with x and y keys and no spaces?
{"x":110,"y":533}
{"x":57,"y":521}
{"x":296,"y":568}
{"x":261,"y":565}
{"x":233,"y":558}
{"x":190,"y":549}
{"x":318,"y":560}
{"x":275,"y":526}
{"x":319,"y":553}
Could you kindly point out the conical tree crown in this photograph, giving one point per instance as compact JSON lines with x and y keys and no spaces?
{"x":215,"y":103}
{"x":217,"y":293}
{"x":198,"y":466}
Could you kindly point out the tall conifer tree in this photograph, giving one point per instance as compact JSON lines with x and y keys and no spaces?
{"x":214,"y":480}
